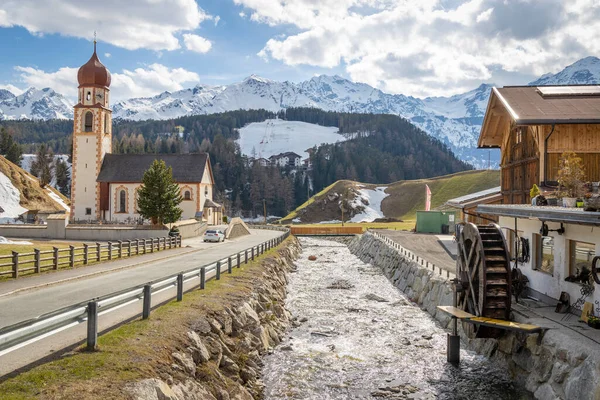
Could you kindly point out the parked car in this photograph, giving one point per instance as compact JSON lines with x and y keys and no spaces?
{"x":214,"y":235}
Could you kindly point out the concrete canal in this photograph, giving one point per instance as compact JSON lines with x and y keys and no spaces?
{"x":356,"y":336}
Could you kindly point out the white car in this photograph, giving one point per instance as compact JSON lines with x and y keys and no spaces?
{"x":213,"y":235}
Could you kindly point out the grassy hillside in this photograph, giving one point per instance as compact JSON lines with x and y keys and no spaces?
{"x":33,"y":197}
{"x":405,"y":197}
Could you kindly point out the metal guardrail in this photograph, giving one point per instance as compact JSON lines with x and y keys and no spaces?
{"x":411,"y":256}
{"x":37,"y":261}
{"x":18,"y":335}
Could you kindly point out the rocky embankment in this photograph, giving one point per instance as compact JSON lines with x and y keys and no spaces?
{"x":565,"y":365}
{"x":220,"y":356}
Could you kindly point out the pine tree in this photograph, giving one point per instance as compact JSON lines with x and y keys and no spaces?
{"x":10,"y":148}
{"x":62,"y":177}
{"x":43,"y":164}
{"x":159,"y":196}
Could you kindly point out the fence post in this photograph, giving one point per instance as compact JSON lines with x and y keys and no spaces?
{"x":55,"y":257}
{"x":38,"y":266}
{"x":15,"y":261}
{"x":110,"y":250}
{"x":202,"y":278}
{"x":98,"y":252}
{"x":218,"y":270}
{"x":246,"y":254}
{"x":120,"y":249}
{"x":229,"y":264}
{"x":252,"y":253}
{"x":238,"y":260}
{"x":147,"y":301}
{"x":151,"y":245}
{"x":72,"y":256}
{"x":171,"y":242}
{"x":179,"y":287}
{"x":179,"y":240}
{"x":86,"y":253}
{"x":92,"y":326}
{"x":137,"y":247}
{"x":129,"y":248}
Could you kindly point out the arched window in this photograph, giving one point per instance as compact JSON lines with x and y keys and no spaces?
{"x":89,"y":122}
{"x":105,"y":123}
{"x":88,"y":96}
{"x":187,"y":195}
{"x":206,"y":191}
{"x":122,"y":201}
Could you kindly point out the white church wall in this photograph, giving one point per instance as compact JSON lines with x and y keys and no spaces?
{"x":84,"y":188}
{"x":189,"y":207}
{"x":130,"y":214}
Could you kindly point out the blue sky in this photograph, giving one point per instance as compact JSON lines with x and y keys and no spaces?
{"x":414,"y":47}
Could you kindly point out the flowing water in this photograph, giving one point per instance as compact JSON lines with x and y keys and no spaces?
{"x":358,"y":337}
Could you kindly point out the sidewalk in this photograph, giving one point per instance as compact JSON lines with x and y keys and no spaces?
{"x":30,"y":282}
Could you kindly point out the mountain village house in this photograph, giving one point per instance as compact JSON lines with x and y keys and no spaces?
{"x":288,"y":159}
{"x":533,"y":126}
{"x":104,"y":185}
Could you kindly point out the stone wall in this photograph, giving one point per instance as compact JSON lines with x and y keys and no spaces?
{"x":236,"y":228}
{"x":221,"y":356}
{"x":565,"y":365}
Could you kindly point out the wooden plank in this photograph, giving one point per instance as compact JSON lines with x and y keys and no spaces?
{"x":506,"y":325}
{"x":456,"y":312}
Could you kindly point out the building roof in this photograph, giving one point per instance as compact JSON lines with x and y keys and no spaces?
{"x":546,"y":214}
{"x":542,"y":105}
{"x":477,"y":197}
{"x":93,"y":72}
{"x":211,"y":204}
{"x":286,"y":154}
{"x":130,"y":168}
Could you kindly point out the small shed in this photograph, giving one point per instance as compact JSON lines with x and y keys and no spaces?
{"x":436,"y":221}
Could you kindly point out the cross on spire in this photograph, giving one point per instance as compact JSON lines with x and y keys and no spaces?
{"x":94,"y":41}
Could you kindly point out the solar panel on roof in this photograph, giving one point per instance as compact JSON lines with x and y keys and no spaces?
{"x":560,"y":91}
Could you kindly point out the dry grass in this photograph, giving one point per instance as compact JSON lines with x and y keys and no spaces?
{"x":140,"y":349}
{"x":33,"y":197}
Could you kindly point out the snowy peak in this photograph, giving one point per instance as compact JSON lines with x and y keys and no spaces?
{"x":5,"y":95}
{"x":583,"y":72}
{"x":36,"y":104}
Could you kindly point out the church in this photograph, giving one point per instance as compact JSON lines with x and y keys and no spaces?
{"x":104,"y":185}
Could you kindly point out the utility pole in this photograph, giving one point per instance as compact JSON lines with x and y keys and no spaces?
{"x":265,"y":210}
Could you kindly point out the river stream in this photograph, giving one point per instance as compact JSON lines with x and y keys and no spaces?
{"x":358,"y":337}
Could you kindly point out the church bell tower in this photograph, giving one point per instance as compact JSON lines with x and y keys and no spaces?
{"x":92,"y":138}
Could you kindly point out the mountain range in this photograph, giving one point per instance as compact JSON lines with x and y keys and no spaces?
{"x":454,"y":120}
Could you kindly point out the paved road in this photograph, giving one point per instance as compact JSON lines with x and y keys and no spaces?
{"x":28,"y":304}
{"x":425,"y":246}
{"x":32,"y":303}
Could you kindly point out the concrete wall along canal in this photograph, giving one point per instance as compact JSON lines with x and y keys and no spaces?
{"x":565,"y":365}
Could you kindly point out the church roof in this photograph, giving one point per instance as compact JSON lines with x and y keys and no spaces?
{"x":93,"y":72}
{"x":130,"y":168}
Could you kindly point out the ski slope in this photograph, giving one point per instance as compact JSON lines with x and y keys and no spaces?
{"x":373,"y":198}
{"x":275,"y":136}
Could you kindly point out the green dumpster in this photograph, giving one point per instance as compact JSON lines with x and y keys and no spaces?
{"x":436,"y":222}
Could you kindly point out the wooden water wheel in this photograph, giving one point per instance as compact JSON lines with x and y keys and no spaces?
{"x":484,"y":276}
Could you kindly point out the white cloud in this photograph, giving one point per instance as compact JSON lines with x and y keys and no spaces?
{"x":140,"y":82}
{"x":131,"y":24}
{"x":196,"y":43}
{"x":430,"y":47}
{"x":242,"y":14}
{"x":107,"y":55}
{"x":217,"y":19}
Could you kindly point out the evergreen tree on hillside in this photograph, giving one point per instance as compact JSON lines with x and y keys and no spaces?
{"x":43,"y":164}
{"x":63,"y":177}
{"x":9,"y":148}
{"x":159,"y":196}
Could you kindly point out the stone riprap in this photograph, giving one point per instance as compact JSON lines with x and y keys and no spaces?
{"x":565,"y":365}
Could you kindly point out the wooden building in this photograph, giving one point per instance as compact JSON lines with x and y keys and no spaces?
{"x":533,"y":126}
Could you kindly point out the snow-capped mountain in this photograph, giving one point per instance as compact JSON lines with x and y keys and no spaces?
{"x":455,"y":120}
{"x":35,"y":104}
{"x":583,"y":72}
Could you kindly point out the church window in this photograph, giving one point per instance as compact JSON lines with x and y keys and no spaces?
{"x":187,"y":195}
{"x":88,"y":211}
{"x":88,"y":97}
{"x":122,"y":201}
{"x":206,"y":191}
{"x":89,"y":122}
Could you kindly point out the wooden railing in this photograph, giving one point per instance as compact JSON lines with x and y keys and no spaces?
{"x":327,"y":230}
{"x":44,"y":260}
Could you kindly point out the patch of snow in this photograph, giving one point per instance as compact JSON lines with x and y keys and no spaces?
{"x":260,"y":219}
{"x":10,"y":198}
{"x":4,"y":240}
{"x":374,"y":198}
{"x":275,"y":136}
{"x":58,"y":199}
{"x":29,"y":158}
{"x":296,"y":220}
{"x":333,"y":221}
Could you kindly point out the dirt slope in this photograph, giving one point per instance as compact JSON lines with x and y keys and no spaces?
{"x":404,"y":198}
